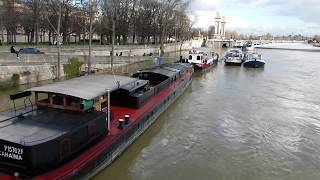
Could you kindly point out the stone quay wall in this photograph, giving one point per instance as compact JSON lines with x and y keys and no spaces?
{"x":33,"y":68}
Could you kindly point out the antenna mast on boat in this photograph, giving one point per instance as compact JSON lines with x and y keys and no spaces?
{"x":108,"y":110}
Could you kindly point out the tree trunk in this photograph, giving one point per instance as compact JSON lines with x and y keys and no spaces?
{"x":8,"y":37}
{"x":180,"y":50}
{"x":2,"y":34}
{"x":64,"y":37}
{"x":161,"y":44}
{"x":112,"y":41}
{"x":36,"y":29}
{"x":133,"y":38}
{"x":32,"y":36}
{"x":44,"y":36}
{"x":49,"y":37}
{"x":58,"y":40}
{"x":84,"y":38}
{"x":90,"y":42}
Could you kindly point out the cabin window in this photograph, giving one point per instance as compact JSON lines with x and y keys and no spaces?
{"x":198,"y":58}
{"x":57,"y":99}
{"x":72,"y":101}
{"x":190,"y":57}
{"x":42,"y":97}
{"x":65,"y":148}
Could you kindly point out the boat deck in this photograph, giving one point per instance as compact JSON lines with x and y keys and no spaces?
{"x":42,"y":125}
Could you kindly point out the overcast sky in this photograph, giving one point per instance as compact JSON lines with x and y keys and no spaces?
{"x":278,"y":17}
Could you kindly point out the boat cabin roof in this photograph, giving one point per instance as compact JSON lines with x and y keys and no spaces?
{"x":201,"y":50}
{"x":86,"y":87}
{"x":168,"y":70}
{"x":133,"y":86}
{"x":43,"y":125}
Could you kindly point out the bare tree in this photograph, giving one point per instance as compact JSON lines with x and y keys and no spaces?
{"x":167,"y":17}
{"x":183,"y":28}
{"x":111,"y":14}
{"x":90,"y":9}
{"x":1,"y":21}
{"x":31,"y":19}
{"x":11,"y":19}
{"x":53,"y":14}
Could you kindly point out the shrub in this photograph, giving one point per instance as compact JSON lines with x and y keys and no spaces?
{"x":15,"y":80}
{"x":10,"y":83}
{"x":72,"y":68}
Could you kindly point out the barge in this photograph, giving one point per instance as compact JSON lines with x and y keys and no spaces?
{"x":254,"y":60}
{"x":78,"y":127}
{"x":202,"y":58}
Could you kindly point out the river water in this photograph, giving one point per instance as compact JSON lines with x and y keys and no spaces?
{"x":234,"y":124}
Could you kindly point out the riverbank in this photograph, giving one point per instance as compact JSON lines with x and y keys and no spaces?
{"x":34,"y":68}
{"x":124,"y":69}
{"x":290,"y":46}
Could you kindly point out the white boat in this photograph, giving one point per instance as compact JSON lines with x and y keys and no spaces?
{"x":202,"y":58}
{"x":234,"y":57}
{"x":239,"y":44}
{"x":316,"y":45}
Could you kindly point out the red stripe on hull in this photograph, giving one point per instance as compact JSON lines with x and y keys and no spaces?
{"x":73,"y":167}
{"x":202,"y":66}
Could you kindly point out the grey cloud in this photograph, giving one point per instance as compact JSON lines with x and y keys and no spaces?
{"x":305,"y":10}
{"x":202,"y":5}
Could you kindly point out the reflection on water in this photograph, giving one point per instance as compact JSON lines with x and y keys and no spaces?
{"x":236,"y":123}
{"x":5,"y":102}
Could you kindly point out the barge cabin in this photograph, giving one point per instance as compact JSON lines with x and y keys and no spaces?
{"x":77,"y":127}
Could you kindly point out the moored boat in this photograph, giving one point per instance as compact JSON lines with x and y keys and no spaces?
{"x":254,"y":60}
{"x":234,"y":57}
{"x":316,"y":45}
{"x":79,"y":126}
{"x":202,"y":58}
{"x":239,"y":44}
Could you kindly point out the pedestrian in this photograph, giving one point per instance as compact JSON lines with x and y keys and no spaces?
{"x":13,"y":50}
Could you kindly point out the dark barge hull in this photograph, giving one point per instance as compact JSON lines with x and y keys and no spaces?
{"x":232,"y":64}
{"x":99,"y":156}
{"x":113,"y":153}
{"x":253,"y":64}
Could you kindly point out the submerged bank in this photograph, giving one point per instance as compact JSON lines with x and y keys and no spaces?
{"x":290,"y":46}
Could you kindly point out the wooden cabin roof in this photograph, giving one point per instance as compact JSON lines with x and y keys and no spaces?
{"x":86,"y":87}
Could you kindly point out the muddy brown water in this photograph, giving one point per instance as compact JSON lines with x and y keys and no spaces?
{"x":233,"y":123}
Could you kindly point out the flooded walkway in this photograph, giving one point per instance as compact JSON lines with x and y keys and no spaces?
{"x":290,"y":46}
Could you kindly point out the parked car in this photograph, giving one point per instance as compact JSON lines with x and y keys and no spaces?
{"x":30,"y":51}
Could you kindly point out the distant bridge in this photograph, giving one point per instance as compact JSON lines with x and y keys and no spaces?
{"x":218,"y":43}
